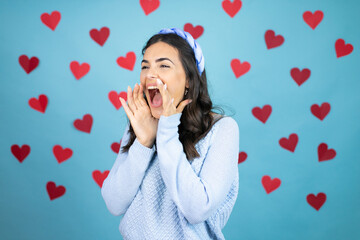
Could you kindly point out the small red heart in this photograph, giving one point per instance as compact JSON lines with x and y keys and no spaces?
{"x":320,"y":111}
{"x":61,"y":154}
{"x":195,"y":32}
{"x":52,"y":20}
{"x":324,"y":153}
{"x":28,"y":65}
{"x":39,"y":104}
{"x":20,"y":152}
{"x":114,"y":98}
{"x":242,"y":157}
{"x":273,"y":41}
{"x":231,"y":8}
{"x":84,"y":124}
{"x":238,"y":68}
{"x":127,"y":62}
{"x":263,"y":113}
{"x":290,"y":143}
{"x":149,"y":6}
{"x":115,"y":147}
{"x":270,"y":185}
{"x":316,"y":201}
{"x":300,"y":76}
{"x":342,"y":49}
{"x":79,"y":70}
{"x":313,"y":19}
{"x":100,"y":36}
{"x":99,"y":177}
{"x":54,"y":191}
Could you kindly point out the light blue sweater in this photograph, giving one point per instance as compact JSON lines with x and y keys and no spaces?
{"x":164,"y":196}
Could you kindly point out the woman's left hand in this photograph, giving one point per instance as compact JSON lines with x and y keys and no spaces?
{"x":169,"y":108}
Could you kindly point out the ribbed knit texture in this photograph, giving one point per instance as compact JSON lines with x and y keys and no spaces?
{"x":164,"y":196}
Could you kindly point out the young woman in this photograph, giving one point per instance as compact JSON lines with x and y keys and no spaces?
{"x":176,"y":174}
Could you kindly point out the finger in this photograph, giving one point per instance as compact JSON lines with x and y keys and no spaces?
{"x":130,"y":99}
{"x":128,"y":111}
{"x":141,"y":96}
{"x":182,"y":105}
{"x":136,"y":94}
{"x":164,"y":92}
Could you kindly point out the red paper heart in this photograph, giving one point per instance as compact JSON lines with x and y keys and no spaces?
{"x":242,"y":157}
{"x":54,"y":191}
{"x":316,"y":201}
{"x":342,"y":49}
{"x":320,"y":112}
{"x":84,"y":124}
{"x":114,"y":98}
{"x":149,"y":6}
{"x":52,"y":20}
{"x":300,"y":76}
{"x":61,"y":154}
{"x":270,"y":185}
{"x":100,"y":36}
{"x":20,"y":152}
{"x":290,"y":143}
{"x":238,"y":68}
{"x":324,"y":153}
{"x":273,"y":41}
{"x":313,"y":19}
{"x":262,"y":114}
{"x":28,"y":65}
{"x":231,"y":8}
{"x":39,"y":104}
{"x":100,"y":177}
{"x":115,"y":147}
{"x":195,"y":32}
{"x":127,"y":62}
{"x":79,"y":70}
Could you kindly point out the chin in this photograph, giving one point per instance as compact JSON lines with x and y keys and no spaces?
{"x":156,"y":113}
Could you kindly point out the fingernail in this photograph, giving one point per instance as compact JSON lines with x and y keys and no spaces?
{"x":159,"y":81}
{"x":172,"y":100}
{"x":165,"y":86}
{"x":190,"y":100}
{"x":121,"y":98}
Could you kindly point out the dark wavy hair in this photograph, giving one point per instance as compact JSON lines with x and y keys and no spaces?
{"x":196,"y":119}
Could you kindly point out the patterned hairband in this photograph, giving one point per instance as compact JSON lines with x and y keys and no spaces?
{"x":200,"y":62}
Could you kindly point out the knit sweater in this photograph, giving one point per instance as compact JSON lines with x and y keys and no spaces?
{"x":164,"y":196}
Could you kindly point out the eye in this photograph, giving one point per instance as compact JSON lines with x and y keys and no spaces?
{"x":144,"y":67}
{"x":164,"y":66}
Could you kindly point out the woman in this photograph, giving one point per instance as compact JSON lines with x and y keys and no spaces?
{"x":176,"y":175}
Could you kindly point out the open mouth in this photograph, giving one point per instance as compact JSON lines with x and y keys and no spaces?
{"x":155,"y":97}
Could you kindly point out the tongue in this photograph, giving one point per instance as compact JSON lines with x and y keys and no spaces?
{"x":157,"y":100}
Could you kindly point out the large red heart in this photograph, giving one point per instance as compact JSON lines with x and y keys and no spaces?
{"x":313,"y":19}
{"x":52,"y":20}
{"x":316,"y":201}
{"x":320,"y":111}
{"x":127,"y":62}
{"x":149,"y":6}
{"x":39,"y":104}
{"x":114,"y":98}
{"x":84,"y":124}
{"x":79,"y":70}
{"x":324,"y":153}
{"x":242,"y":157}
{"x":115,"y":146}
{"x":270,"y":185}
{"x":195,"y":32}
{"x":54,"y":191}
{"x":263,"y":113}
{"x":20,"y":152}
{"x":61,"y":154}
{"x":273,"y":41}
{"x":231,"y":8}
{"x":28,"y":65}
{"x":238,"y":68}
{"x":100,"y":177}
{"x":289,"y":143}
{"x":300,"y":76}
{"x":100,"y":36}
{"x":342,"y":49}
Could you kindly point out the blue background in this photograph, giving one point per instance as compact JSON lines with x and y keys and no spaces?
{"x":27,"y":212}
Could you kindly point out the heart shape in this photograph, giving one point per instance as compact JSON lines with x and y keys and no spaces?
{"x":116,"y":147}
{"x":342,"y":49}
{"x":100,"y":36}
{"x":195,"y":32}
{"x":52,"y":20}
{"x":127,"y":62}
{"x":324,"y":153}
{"x":289,"y":143}
{"x":313,"y":19}
{"x":273,"y":41}
{"x":114,"y":98}
{"x":239,"y":68}
{"x":61,"y":154}
{"x":316,"y":201}
{"x":263,"y":113}
{"x":231,"y":8}
{"x":99,"y":177}
{"x":242,"y":157}
{"x":78,"y":70}
{"x":20,"y":152}
{"x":84,"y":124}
{"x":39,"y":104}
{"x":149,"y":6}
{"x":54,"y":191}
{"x":28,"y":65}
{"x":300,"y":76}
{"x":320,"y":111}
{"x":270,"y":185}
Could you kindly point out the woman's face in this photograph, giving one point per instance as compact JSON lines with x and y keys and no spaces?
{"x":161,"y":61}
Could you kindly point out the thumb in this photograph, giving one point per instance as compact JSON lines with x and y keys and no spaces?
{"x":182,"y":105}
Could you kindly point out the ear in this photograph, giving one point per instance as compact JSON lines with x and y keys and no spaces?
{"x":187,"y":83}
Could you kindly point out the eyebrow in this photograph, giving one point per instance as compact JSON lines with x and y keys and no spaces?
{"x":157,"y":60}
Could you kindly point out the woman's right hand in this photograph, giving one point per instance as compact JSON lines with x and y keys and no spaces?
{"x":139,"y":114}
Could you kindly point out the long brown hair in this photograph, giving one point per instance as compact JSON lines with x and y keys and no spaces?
{"x":196,"y":119}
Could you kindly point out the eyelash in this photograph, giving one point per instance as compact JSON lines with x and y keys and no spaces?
{"x":166,"y":66}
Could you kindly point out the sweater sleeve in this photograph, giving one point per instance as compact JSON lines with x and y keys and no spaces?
{"x":197,"y":197}
{"x":122,"y":183}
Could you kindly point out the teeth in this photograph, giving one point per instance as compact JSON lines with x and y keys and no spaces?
{"x":152,"y":87}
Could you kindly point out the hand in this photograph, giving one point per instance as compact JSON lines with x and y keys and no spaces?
{"x":169,"y":108}
{"x":139,"y":114}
